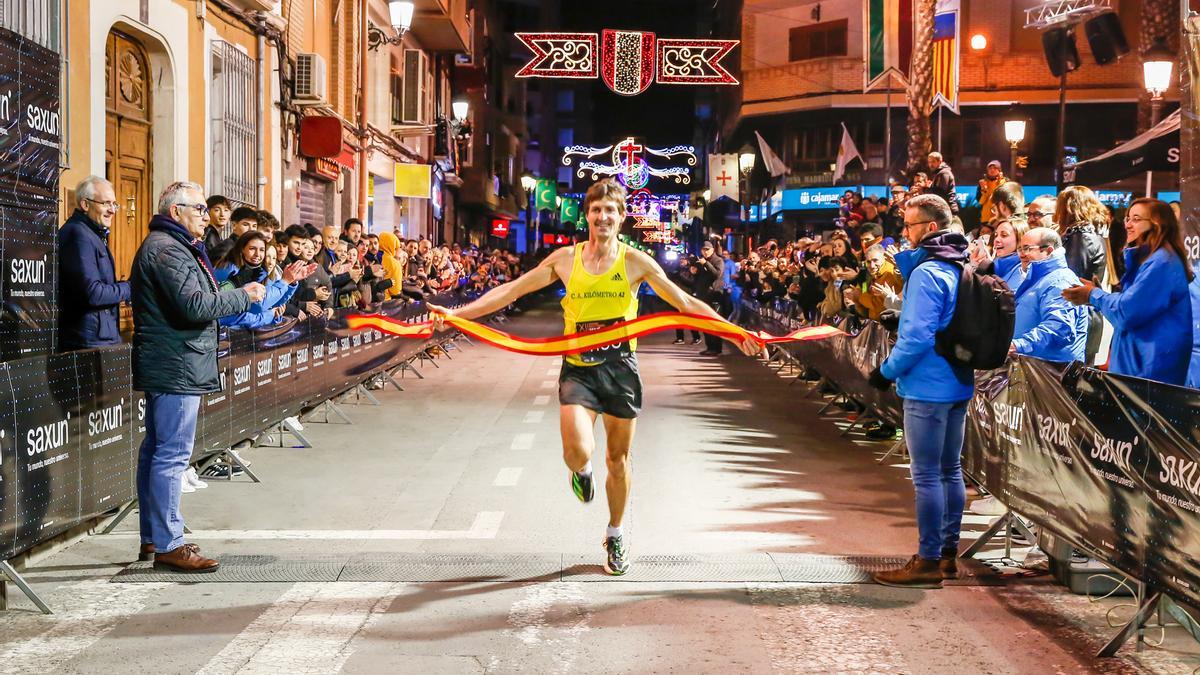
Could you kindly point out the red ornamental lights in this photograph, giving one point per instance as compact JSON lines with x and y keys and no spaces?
{"x":627,"y":61}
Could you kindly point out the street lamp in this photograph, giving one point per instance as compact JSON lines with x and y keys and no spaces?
{"x":979,"y":42}
{"x":461,"y":107}
{"x":746,"y":162}
{"x":528,"y":183}
{"x":1014,"y":133}
{"x":400,"y":14}
{"x":1158,"y":64}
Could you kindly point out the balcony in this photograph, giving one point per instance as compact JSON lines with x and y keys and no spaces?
{"x":442,"y":26}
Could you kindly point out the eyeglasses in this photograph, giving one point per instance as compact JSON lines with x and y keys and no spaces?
{"x":201,"y":209}
{"x":1031,"y":249}
{"x":1137,"y":219}
{"x":113,"y":205}
{"x":1036,"y":215}
{"x":915,"y":223}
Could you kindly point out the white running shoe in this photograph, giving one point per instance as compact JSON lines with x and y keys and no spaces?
{"x":988,"y":506}
{"x":193,"y":479}
{"x":294,"y":421}
{"x":185,"y":485}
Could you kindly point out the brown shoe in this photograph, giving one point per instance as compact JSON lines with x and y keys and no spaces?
{"x":146,"y":553}
{"x":917,"y":573}
{"x":949,"y":564}
{"x":185,"y":559}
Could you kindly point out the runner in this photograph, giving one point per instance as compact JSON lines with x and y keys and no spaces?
{"x":602,"y":277}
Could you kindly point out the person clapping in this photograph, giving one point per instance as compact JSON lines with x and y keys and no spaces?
{"x":244,"y":265}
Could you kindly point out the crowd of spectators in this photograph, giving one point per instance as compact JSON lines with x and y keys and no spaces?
{"x":1070,"y":261}
{"x":310,"y":272}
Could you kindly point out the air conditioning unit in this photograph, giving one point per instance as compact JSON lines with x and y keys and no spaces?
{"x":414,"y":104}
{"x":310,"y":81}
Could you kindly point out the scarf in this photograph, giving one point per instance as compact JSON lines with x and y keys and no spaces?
{"x":166,"y":224}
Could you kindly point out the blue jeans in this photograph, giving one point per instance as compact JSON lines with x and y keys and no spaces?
{"x":162,"y":459}
{"x":934,"y":435}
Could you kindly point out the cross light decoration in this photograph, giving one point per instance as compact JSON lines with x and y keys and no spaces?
{"x":627,"y":163}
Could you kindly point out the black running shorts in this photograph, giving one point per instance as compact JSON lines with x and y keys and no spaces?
{"x":610,"y":388}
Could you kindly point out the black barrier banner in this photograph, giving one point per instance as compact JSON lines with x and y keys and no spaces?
{"x":71,"y":424}
{"x":1108,"y":462}
{"x":28,"y":313}
{"x":30,"y":126}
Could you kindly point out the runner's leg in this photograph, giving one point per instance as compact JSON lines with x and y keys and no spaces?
{"x":620,"y":439}
{"x":578,"y":440}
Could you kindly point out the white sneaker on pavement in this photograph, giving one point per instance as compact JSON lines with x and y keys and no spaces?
{"x":193,"y":479}
{"x":185,"y":485}
{"x":988,"y":506}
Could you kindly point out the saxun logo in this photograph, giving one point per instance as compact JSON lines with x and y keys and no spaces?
{"x":5,"y":111}
{"x":241,"y":375}
{"x":27,"y":270}
{"x":40,"y":119}
{"x":1113,"y":451}
{"x":1181,"y":473}
{"x":106,"y":419}
{"x":1055,"y":432}
{"x":1009,"y":415}
{"x":47,"y":437}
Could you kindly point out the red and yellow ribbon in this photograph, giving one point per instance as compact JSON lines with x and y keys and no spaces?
{"x":587,"y":341}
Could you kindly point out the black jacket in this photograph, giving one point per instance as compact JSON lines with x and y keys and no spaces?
{"x":943,"y":186}
{"x":176,"y":305}
{"x":1084,"y":248}
{"x":89,"y":295}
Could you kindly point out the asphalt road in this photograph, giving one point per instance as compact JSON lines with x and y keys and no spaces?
{"x":738,"y":485}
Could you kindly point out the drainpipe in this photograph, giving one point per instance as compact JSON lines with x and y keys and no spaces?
{"x":362,"y":111}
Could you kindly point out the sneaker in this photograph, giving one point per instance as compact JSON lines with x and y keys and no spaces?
{"x":193,"y":478}
{"x":882,"y":432}
{"x":916,"y":573}
{"x":696,"y":341}
{"x":617,"y":562}
{"x":185,"y":485}
{"x":584,"y":486}
{"x":678,"y":341}
{"x":222,"y":471}
{"x":988,"y":506}
{"x":710,"y":352}
{"x":239,"y":458}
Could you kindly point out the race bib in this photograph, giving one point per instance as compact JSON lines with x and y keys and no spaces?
{"x":607,"y":354}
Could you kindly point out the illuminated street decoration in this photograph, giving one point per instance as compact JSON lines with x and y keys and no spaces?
{"x":628,"y":163}
{"x":627,"y":61}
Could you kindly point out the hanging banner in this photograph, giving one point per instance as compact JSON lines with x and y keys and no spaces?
{"x":568,"y":212}
{"x":414,"y":181}
{"x":545,"y":194}
{"x":627,"y":61}
{"x":887,"y":42}
{"x":723,"y":176}
{"x":946,"y":46}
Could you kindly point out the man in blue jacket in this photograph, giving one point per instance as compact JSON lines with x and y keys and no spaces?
{"x":89,"y":295}
{"x":935,"y":392}
{"x":1048,"y":327}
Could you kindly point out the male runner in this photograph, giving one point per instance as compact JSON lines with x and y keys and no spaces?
{"x":602,"y":276}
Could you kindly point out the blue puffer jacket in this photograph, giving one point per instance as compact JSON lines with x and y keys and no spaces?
{"x":260,"y":313}
{"x":930,"y":293}
{"x":1152,"y":316}
{"x":1047,"y":326}
{"x":1009,"y":269}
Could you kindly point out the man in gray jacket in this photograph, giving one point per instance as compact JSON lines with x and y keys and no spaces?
{"x":176,"y":304}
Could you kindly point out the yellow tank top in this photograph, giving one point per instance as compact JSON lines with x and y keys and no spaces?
{"x":596,"y":300}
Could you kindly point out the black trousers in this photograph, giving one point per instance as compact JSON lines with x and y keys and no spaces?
{"x":679,"y":334}
{"x":720,"y":303}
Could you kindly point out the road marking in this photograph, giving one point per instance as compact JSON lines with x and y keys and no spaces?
{"x":554,"y":371}
{"x":311,"y":628}
{"x":486,"y":526}
{"x":534,"y":416}
{"x":508,"y":477}
{"x":541,"y":399}
{"x":522,"y":442}
{"x":549,"y":384}
{"x":552,"y":618}
{"x":84,"y":613}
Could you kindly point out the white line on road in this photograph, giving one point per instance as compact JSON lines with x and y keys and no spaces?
{"x":549,"y":384}
{"x":522,"y":442}
{"x":534,"y":416}
{"x":553,"y":371}
{"x":85,"y":612}
{"x":508,"y":477}
{"x":541,"y":399}
{"x":486,"y":525}
{"x":311,"y":628}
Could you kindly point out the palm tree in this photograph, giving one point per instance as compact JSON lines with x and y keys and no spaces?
{"x":920,"y":84}
{"x":1160,"y":21}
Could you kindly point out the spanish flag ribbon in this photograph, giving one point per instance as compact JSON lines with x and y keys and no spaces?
{"x":587,"y":341}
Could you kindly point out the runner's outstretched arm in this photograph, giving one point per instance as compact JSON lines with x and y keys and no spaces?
{"x":652,"y":273}
{"x":505,"y":294}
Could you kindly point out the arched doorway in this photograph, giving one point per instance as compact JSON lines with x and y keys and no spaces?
{"x":128,"y":162}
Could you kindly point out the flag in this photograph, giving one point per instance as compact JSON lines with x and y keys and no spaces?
{"x":544,"y":194}
{"x":568,"y":212}
{"x":945,"y":55}
{"x":888,"y":41}
{"x":774,"y":164}
{"x":847,"y":151}
{"x":723,"y":176}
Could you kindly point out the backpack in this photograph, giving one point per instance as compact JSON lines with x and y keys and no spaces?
{"x":981,"y":330}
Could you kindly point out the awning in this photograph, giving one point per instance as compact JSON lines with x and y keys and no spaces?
{"x":1155,"y":150}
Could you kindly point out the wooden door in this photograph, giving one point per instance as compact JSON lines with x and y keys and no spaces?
{"x":127,"y":145}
